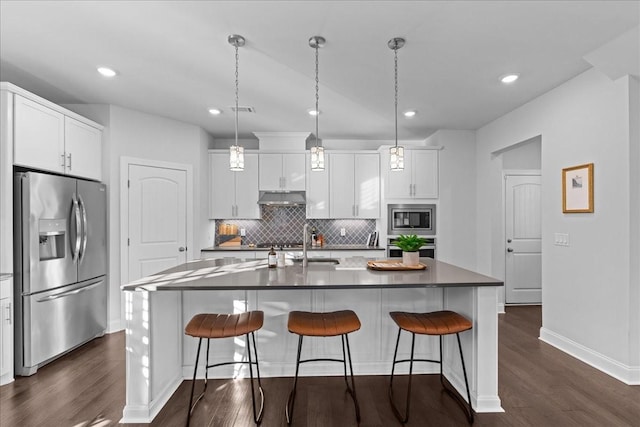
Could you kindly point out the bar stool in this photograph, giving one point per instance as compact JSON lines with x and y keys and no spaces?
{"x":331,"y":324}
{"x":211,"y":325}
{"x":438,"y":323}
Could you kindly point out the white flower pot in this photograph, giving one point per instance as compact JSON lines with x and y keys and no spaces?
{"x":411,"y":258}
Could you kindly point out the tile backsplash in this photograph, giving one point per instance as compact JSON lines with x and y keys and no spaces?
{"x":284,"y":225}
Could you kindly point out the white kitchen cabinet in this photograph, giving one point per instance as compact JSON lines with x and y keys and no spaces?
{"x":354,"y":185}
{"x":38,"y":136}
{"x":418,"y":180}
{"x":6,"y":331}
{"x":46,"y":138}
{"x":83,"y":149}
{"x":366,"y":253}
{"x":318,"y":190}
{"x":233,"y":194}
{"x":282,"y":171}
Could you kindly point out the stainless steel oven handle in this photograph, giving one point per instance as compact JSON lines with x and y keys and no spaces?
{"x":69,"y":293}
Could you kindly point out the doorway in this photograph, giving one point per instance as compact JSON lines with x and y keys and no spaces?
{"x":156,"y":217}
{"x":523,"y":238}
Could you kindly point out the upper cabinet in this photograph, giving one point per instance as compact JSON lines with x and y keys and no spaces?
{"x":282,"y":171}
{"x":233,"y":194}
{"x":46,"y":138}
{"x":354,"y":185}
{"x":318,"y":190}
{"x":418,"y":180}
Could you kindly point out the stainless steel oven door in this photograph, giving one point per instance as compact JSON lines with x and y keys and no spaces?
{"x":428,"y":251}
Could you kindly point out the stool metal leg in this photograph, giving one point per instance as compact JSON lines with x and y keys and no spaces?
{"x":396,"y":412}
{"x":292,"y":396}
{"x":466,"y":406}
{"x":193,"y":383}
{"x":352,"y":389}
{"x":257,"y":417}
{"x":466,"y":382}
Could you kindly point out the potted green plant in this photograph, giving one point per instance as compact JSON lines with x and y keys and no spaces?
{"x":410,"y":244}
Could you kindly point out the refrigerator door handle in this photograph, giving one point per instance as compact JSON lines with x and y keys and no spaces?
{"x":69,"y":293}
{"x":83,"y":213}
{"x":76,"y":247}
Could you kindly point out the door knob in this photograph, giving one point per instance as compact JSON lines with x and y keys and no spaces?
{"x":509,"y":250}
{"x":508,"y":240}
{"x":182,"y":249}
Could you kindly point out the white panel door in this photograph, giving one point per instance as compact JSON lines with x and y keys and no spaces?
{"x":341,"y":182}
{"x":367,"y":185}
{"x":318,"y":191}
{"x":270,"y":171}
{"x":399,"y":182}
{"x":425,"y":173}
{"x":38,"y":136}
{"x":247,"y":189}
{"x":293,"y":171}
{"x":83,"y":145}
{"x":524,"y":240}
{"x":157,"y":219}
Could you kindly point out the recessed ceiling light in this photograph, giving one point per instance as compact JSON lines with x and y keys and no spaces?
{"x":509,"y":78}
{"x":409,"y":113}
{"x":107,"y":72}
{"x":214,"y":111}
{"x":313,"y":112}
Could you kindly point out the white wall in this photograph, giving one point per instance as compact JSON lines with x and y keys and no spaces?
{"x":456,"y":227}
{"x":586,"y":286}
{"x":130,"y":133}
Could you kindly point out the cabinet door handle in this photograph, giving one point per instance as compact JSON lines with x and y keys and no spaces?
{"x":69,"y":157}
{"x":64,"y":163}
{"x":8,"y":318}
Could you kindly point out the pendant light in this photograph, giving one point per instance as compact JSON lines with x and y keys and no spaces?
{"x":396,"y":153}
{"x":236,"y":152}
{"x":317,"y":152}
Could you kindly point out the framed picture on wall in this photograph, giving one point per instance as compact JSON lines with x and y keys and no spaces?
{"x":577,"y":189}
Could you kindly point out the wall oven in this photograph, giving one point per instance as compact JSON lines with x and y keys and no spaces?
{"x":412,"y":219}
{"x":426,"y":251}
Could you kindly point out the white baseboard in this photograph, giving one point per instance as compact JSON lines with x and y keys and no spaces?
{"x":629,"y":375}
{"x":501,"y":308}
{"x":142,"y":414}
{"x":115,"y":326}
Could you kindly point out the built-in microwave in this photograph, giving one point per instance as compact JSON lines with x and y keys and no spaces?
{"x":412,"y":219}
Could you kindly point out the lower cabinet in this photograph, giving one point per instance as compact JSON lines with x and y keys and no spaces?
{"x":6,"y":332}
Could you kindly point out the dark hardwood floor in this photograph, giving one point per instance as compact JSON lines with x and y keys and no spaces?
{"x":538,"y":384}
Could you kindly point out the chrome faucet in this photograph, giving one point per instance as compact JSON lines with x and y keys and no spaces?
{"x":305,"y":232}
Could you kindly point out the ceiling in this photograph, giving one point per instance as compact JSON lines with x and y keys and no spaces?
{"x":174,"y":61}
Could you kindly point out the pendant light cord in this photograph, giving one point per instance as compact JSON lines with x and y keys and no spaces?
{"x":237,"y":60}
{"x":396,"y":90}
{"x":317,"y":96}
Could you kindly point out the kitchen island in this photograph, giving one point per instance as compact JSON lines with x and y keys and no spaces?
{"x":159,"y":355}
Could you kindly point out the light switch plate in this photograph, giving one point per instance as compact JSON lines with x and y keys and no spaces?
{"x":561,"y":239}
{"x":243,"y":232}
{"x":343,"y":232}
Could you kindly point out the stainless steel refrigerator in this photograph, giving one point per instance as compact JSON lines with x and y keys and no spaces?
{"x":60,"y":266}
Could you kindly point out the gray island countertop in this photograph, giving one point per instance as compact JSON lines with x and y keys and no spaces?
{"x":296,"y":249}
{"x":351,"y":273}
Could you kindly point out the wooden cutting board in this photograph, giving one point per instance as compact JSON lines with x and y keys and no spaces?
{"x":393,"y":265}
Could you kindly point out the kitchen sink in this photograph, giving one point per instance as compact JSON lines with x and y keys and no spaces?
{"x":319,"y":260}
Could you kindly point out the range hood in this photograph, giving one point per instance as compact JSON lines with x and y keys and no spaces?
{"x":282,"y":198}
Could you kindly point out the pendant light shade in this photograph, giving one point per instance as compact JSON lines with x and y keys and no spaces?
{"x":236,"y":158}
{"x":317,"y":152}
{"x":236,"y":152}
{"x":396,"y":153}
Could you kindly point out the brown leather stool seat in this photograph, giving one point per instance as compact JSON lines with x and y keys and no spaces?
{"x":437,"y":323}
{"x":323,"y":324}
{"x":434,"y":323}
{"x":212,"y":325}
{"x":331,"y":324}
{"x":209,"y":325}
